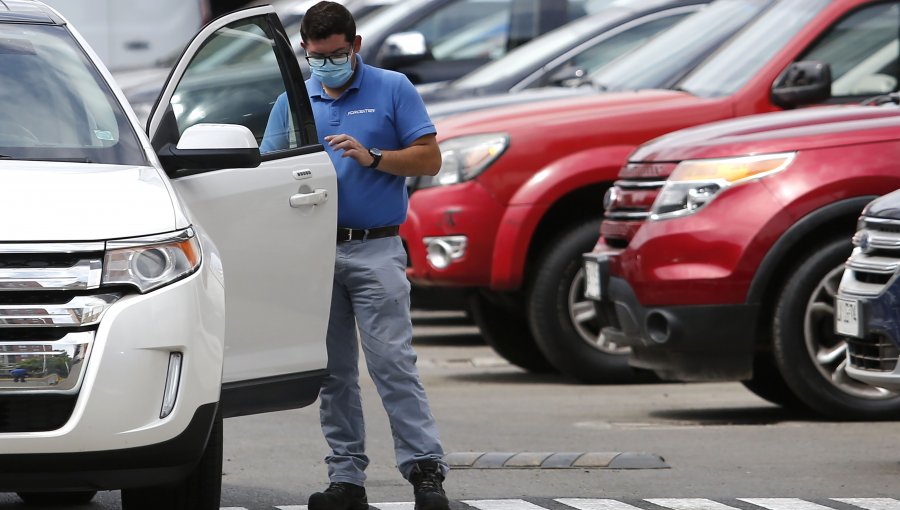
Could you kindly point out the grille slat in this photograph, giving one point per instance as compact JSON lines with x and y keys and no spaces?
{"x":875,"y":353}
{"x":35,"y":413}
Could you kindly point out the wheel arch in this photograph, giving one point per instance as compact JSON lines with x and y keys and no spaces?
{"x":821,"y":224}
{"x":567,"y":190}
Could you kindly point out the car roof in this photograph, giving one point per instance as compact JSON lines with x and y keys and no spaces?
{"x":27,"y":11}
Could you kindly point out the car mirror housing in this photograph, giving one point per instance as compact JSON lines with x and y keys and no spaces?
{"x":403,"y":48}
{"x":205,"y":147}
{"x":802,"y":83}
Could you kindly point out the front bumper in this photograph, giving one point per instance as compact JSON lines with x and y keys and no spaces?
{"x":682,"y":343}
{"x":449,"y":213}
{"x":872,"y":355}
{"x":117,"y":406}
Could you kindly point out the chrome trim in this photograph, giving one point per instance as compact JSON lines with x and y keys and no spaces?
{"x":72,"y":351}
{"x":879,"y":265}
{"x":640,"y":184}
{"x":878,"y":239}
{"x":51,"y":247}
{"x":171,"y":237}
{"x":883,"y":221}
{"x":80,"y":311}
{"x":84,"y":275}
{"x":627,"y":215}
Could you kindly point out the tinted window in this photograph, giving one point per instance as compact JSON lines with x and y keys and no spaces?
{"x":54,"y":104}
{"x":234,"y":79}
{"x":729,"y":69}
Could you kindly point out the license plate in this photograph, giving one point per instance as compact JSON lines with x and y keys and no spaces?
{"x":846,"y":317}
{"x":592,"y":288}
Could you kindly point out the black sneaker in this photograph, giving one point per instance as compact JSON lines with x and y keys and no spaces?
{"x":427,"y":478}
{"x":340,"y":496}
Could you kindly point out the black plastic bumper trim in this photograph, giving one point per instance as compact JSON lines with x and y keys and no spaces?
{"x":156,"y":464}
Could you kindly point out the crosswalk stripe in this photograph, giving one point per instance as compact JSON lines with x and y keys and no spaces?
{"x":784,"y":504}
{"x":289,"y":507}
{"x":503,"y":504}
{"x":596,"y":504}
{"x":871,"y":503}
{"x":690,"y":504}
{"x":394,"y":506}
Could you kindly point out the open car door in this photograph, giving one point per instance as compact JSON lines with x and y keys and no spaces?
{"x":275,"y":224}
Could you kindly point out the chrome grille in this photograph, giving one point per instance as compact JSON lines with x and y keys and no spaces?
{"x":875,"y":352}
{"x":875,"y":259}
{"x":50,"y":306}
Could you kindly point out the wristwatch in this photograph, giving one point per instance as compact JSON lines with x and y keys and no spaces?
{"x":375,"y":153}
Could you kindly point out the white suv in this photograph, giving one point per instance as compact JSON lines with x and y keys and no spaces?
{"x":120,"y":347}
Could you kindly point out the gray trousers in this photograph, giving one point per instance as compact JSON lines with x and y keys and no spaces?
{"x":371,"y":292}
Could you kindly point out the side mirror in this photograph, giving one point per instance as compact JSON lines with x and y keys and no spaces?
{"x":205,"y":147}
{"x":802,"y":83}
{"x":403,"y":48}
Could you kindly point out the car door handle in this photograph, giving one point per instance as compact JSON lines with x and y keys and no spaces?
{"x":319,"y":196}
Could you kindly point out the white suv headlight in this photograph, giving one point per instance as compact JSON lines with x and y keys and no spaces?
{"x":465,"y":157}
{"x":695,"y":183}
{"x":151,"y":262}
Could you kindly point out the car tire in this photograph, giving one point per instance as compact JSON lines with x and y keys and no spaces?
{"x":57,"y":498}
{"x":201,"y":490}
{"x":768,"y":384}
{"x":504,"y":328}
{"x":809,"y":355}
{"x":564,"y":322}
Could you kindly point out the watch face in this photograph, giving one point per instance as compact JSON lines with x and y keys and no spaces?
{"x":375,"y":152}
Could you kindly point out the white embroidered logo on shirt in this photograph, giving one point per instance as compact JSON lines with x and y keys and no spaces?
{"x":364,"y":110}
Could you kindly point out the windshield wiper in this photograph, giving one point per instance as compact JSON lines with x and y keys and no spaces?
{"x":4,"y":156}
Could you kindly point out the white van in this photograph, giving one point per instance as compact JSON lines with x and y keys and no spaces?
{"x":127,"y":35}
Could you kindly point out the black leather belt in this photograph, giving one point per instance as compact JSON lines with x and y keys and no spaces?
{"x":358,"y":234}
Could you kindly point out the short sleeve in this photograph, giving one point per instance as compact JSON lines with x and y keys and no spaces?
{"x":411,"y":119}
{"x":277,"y":135}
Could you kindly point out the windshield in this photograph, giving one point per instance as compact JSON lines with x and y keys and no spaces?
{"x":380,"y":22}
{"x":719,"y":76}
{"x":538,"y":51}
{"x":665,"y":59}
{"x":54,"y":105}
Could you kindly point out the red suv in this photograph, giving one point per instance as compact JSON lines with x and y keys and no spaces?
{"x":724,"y":245}
{"x":516,"y":202}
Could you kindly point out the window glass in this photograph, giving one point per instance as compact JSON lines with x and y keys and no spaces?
{"x":862,"y":51}
{"x":665,"y":59}
{"x":729,"y":69}
{"x":235,"y":78}
{"x":467,"y":29}
{"x":598,"y":55}
{"x":54,"y":104}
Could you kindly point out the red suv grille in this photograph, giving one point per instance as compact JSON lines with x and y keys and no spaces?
{"x":629,"y":201}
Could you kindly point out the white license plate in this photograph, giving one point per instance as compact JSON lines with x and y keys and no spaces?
{"x":592,"y":288}
{"x":846,"y":317}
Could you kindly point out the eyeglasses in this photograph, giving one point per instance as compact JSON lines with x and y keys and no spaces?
{"x":337,"y":59}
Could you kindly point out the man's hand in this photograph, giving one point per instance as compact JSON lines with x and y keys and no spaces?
{"x":351,"y":147}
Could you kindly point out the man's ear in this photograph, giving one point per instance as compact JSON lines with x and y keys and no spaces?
{"x":357,"y":43}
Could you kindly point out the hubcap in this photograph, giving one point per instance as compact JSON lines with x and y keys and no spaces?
{"x":584,"y":319}
{"x":828,"y":350}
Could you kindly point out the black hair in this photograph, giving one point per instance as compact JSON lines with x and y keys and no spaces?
{"x":325,"y":19}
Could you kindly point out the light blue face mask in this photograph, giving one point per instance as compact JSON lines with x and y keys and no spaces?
{"x":334,"y":75}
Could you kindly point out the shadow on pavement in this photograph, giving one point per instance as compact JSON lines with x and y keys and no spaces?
{"x":769,"y":415}
{"x":510,"y":377}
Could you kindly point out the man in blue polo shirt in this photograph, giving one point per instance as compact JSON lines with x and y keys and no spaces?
{"x":376,"y":130}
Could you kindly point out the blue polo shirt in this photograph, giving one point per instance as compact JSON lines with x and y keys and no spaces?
{"x":380,"y":109}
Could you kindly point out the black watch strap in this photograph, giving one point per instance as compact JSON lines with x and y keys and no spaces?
{"x":376,"y":157}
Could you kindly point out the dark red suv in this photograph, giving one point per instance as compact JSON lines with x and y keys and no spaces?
{"x":723,"y":247}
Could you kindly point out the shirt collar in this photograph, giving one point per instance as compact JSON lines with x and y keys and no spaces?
{"x":316,"y":88}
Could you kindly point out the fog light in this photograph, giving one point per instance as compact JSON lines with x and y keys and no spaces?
{"x":443,"y":251}
{"x":173,"y":380}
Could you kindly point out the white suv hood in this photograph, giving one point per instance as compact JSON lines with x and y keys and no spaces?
{"x":43,"y":201}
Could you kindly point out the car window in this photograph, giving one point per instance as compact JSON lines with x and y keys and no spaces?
{"x":735,"y":64}
{"x":217,"y":88}
{"x":483,"y":25}
{"x":666,"y":58}
{"x":55,"y":105}
{"x":593,"y":57}
{"x":862,"y":51}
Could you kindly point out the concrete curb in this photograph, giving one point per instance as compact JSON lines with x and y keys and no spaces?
{"x":551,"y":460}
